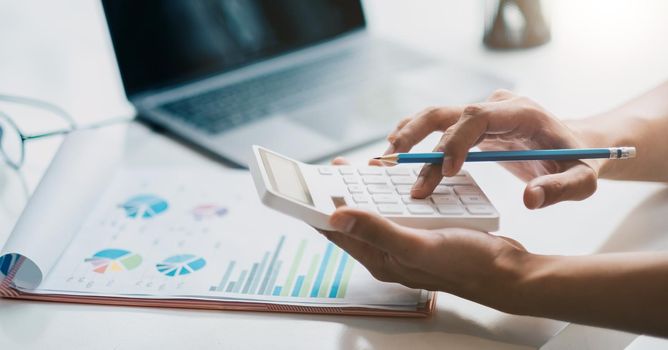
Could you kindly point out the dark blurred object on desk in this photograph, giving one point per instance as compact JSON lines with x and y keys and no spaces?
{"x":515,"y":24}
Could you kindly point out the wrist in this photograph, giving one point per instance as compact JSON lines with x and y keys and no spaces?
{"x":503,"y":287}
{"x":607,"y":131}
{"x":588,"y":135}
{"x":523,"y":271}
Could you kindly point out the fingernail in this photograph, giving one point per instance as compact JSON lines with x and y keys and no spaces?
{"x":539,"y":195}
{"x":447,"y":165}
{"x":344,"y":223}
{"x":390,"y":149}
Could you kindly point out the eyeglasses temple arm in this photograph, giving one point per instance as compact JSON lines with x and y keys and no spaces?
{"x":46,"y":134}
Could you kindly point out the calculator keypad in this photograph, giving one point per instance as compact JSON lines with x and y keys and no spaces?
{"x":387,"y":191}
{"x":390,"y":209}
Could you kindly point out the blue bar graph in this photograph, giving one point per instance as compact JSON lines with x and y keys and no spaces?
{"x":339,"y":275}
{"x":258,"y":275}
{"x":277,"y":291}
{"x":272,"y":278}
{"x":240,"y":282}
{"x":251,"y":277}
{"x":321,"y":271}
{"x":298,"y":286}
{"x":317,"y":275}
{"x":272,"y":264}
{"x":226,"y":277}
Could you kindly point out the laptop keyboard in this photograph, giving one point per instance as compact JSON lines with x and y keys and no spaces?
{"x":225,"y":108}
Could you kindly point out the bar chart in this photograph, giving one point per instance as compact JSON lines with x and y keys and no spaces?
{"x":309,"y":273}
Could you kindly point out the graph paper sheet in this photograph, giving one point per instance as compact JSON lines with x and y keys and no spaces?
{"x":170,"y":234}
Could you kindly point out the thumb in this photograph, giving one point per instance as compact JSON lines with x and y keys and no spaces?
{"x":576,"y":183}
{"x":376,"y":231}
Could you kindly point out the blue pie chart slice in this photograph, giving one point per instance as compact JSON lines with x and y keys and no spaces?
{"x":7,"y":262}
{"x":179,"y":265}
{"x":144,"y":206}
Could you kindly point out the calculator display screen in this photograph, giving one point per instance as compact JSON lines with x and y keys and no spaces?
{"x":286,"y":178}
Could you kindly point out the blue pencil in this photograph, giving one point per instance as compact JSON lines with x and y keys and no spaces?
{"x":505,"y":156}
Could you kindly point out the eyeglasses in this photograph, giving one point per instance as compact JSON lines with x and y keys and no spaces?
{"x":12,"y":139}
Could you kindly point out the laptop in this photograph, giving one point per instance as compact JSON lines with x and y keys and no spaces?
{"x":304,"y":78}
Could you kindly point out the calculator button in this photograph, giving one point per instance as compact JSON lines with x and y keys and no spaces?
{"x":444,"y":199}
{"x":380,"y":189}
{"x":450,"y":209}
{"x":404,"y":189}
{"x":420,"y":209}
{"x":385,"y":198}
{"x":410,"y":200}
{"x":459,"y":179}
{"x":374,"y":179}
{"x":460,"y":190}
{"x":480,"y":209}
{"x":395,"y":170}
{"x":326,"y":170}
{"x":473,"y":199}
{"x":371,"y":171}
{"x":346,"y":170}
{"x":361,"y":198}
{"x":441,"y":189}
{"x":390,"y":209}
{"x":355,"y":188}
{"x":366,"y":207}
{"x":402,"y":180}
{"x":350,"y":179}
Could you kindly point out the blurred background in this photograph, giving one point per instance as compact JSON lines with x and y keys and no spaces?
{"x":600,"y":53}
{"x":61,"y":51}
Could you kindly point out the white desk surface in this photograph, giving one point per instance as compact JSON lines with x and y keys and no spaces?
{"x":602,"y":53}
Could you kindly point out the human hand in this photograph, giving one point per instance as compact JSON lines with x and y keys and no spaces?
{"x":475,"y":265}
{"x":504,"y":122}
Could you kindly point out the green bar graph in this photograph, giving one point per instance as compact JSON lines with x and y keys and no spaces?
{"x":258,"y":276}
{"x":251,"y":278}
{"x":348,"y":270}
{"x":272,"y":269}
{"x":323,"y":272}
{"x":240,"y":283}
{"x":329,"y":273}
{"x":309,"y":276}
{"x":287,"y":286}
{"x":226,"y":277}
{"x":272,"y":278}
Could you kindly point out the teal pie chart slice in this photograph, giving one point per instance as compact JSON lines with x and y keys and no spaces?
{"x":144,"y":206}
{"x":180,"y":265}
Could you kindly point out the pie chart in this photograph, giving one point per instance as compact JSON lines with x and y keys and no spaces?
{"x":208,"y":211}
{"x":114,"y":260}
{"x":7,"y":262}
{"x":179,"y":265}
{"x":144,"y":206}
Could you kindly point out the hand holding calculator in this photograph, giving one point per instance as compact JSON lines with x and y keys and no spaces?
{"x":312,"y":192}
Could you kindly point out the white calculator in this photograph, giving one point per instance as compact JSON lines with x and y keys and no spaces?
{"x":312,"y":192}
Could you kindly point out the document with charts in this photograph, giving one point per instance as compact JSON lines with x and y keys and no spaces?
{"x":188,"y":238}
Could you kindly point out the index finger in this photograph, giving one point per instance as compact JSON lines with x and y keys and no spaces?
{"x":476,"y":121}
{"x":413,"y":130}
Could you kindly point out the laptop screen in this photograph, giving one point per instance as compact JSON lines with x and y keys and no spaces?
{"x":159,"y":43}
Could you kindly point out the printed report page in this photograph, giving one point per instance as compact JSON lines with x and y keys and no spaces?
{"x":167,"y":233}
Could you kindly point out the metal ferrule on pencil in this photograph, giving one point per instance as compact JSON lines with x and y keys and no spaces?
{"x":622,"y":152}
